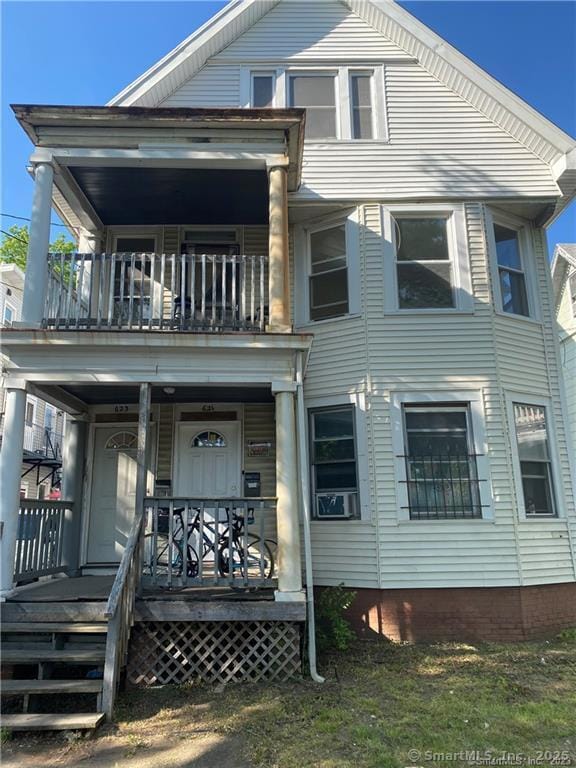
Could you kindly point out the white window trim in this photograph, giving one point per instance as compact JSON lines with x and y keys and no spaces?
{"x":12,"y":308}
{"x":527,"y":260}
{"x":358,"y":400}
{"x":558,"y":498}
{"x":343,"y":104}
{"x":457,"y":250}
{"x":472,"y":398}
{"x":303,"y":266}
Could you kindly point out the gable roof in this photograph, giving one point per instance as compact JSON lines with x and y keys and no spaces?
{"x":563,"y":261}
{"x":442,"y":60}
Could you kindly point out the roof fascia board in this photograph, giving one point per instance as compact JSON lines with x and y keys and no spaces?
{"x":441,"y":54}
{"x":144,"y":85}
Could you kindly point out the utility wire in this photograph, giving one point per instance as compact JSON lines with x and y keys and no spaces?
{"x":25,"y":218}
{"x":13,"y":237}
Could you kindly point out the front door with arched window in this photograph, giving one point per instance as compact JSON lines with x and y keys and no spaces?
{"x":207,"y":461}
{"x":113,"y":493}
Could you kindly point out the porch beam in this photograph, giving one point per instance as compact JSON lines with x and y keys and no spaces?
{"x":10,"y":469}
{"x":60,"y":399}
{"x":287,"y":517}
{"x":36,"y":280}
{"x":278,"y":280}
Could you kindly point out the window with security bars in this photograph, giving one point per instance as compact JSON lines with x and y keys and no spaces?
{"x":535,"y":460}
{"x":441,"y":471}
{"x":333,"y":463}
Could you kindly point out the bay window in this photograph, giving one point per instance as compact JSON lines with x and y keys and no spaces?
{"x":441,"y":472}
{"x":333,"y":463}
{"x":512,"y":280}
{"x":535,"y":460}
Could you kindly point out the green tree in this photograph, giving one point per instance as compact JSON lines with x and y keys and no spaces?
{"x":14,"y":246}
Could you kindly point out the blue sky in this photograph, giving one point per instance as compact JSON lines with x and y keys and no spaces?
{"x":85,"y":52}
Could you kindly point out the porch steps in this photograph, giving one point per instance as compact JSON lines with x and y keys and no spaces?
{"x":52,"y":722}
{"x":46,"y":627}
{"x":41,"y":654}
{"x":61,"y":651}
{"x":21,"y":687}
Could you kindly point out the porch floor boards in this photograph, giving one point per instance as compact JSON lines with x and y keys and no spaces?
{"x":97,"y":588}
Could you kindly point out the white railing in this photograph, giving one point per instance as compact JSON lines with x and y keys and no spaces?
{"x":39,"y":539}
{"x":148,"y":291}
{"x":209,"y":541}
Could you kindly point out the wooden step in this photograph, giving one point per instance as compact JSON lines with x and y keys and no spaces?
{"x":82,"y":611}
{"x":64,"y":656}
{"x":47,"y":722}
{"x":34,"y":627}
{"x":21,"y":687}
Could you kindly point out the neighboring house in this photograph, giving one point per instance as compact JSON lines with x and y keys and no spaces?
{"x":312,"y":283}
{"x":564,"y":283}
{"x":44,"y":424}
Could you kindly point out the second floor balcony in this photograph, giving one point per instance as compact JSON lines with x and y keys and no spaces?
{"x":203,"y":292}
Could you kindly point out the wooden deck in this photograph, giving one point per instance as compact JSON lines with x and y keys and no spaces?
{"x":194,"y":603}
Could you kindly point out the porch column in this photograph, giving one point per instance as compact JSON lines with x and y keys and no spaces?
{"x":278,"y":275}
{"x":90,"y":242}
{"x":10,"y":473}
{"x":36,"y":282}
{"x":72,"y":483}
{"x":287,"y":518}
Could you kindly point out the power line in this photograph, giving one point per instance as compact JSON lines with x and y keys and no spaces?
{"x":25,"y":218}
{"x":13,"y":237}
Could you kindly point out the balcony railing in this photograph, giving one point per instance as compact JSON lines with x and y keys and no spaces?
{"x":209,"y":541}
{"x":148,"y":291}
{"x":43,"y":441}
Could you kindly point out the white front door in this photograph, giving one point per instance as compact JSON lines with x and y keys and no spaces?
{"x":207,"y":460}
{"x":113,"y":496}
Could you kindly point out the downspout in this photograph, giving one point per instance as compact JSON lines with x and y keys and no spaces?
{"x":305,"y":486}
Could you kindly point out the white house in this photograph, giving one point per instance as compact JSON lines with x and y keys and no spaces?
{"x":310,"y":323}
{"x":564,"y":282}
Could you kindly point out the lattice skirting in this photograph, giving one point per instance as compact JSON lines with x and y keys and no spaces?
{"x":217,"y":652}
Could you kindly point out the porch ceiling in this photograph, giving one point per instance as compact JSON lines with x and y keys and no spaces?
{"x":125,"y":394}
{"x":143,"y":196}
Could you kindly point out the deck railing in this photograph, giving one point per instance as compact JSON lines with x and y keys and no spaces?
{"x":149,"y":291}
{"x":209,"y":541}
{"x":39,"y":539}
{"x":43,"y":440}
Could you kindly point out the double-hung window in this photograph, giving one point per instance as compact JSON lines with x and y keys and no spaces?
{"x":424,"y":269}
{"x":511,"y":273}
{"x":441,"y":472}
{"x":535,"y":460}
{"x":328,"y":276}
{"x":333,"y":463}
{"x":316,"y":92}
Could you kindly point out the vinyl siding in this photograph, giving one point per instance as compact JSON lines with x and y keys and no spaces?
{"x":213,"y":86}
{"x":567,"y":326}
{"x":439,"y":145}
{"x":382,"y":354}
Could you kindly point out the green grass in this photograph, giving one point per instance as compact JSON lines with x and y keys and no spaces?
{"x":381,"y":700}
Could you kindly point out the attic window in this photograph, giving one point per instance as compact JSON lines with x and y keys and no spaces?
{"x":262,"y":89}
{"x":316,"y":92}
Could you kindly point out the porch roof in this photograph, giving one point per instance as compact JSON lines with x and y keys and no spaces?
{"x":140,"y":165}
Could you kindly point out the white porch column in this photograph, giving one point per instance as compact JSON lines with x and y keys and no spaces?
{"x":10,"y":472}
{"x":278,"y":274}
{"x":36,"y":281}
{"x":287,"y":518}
{"x":72,"y":480}
{"x":90,"y":242}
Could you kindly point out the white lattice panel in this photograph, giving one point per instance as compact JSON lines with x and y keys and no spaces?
{"x":223,"y":652}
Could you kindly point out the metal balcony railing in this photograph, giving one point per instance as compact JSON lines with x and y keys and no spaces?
{"x":148,"y":291}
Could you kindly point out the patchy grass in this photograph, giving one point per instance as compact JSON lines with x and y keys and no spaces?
{"x":380,"y":702}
